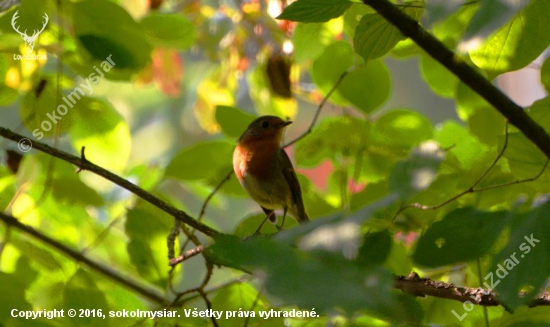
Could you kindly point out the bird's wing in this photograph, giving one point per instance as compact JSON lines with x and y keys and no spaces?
{"x":292,"y":181}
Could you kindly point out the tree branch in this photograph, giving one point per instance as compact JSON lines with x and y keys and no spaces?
{"x":417,"y":286}
{"x":84,"y":164}
{"x":437,"y":50}
{"x":151,"y":294}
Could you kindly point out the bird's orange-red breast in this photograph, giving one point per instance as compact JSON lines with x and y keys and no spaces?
{"x":265,"y":171}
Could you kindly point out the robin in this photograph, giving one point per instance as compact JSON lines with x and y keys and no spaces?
{"x":265,"y":171}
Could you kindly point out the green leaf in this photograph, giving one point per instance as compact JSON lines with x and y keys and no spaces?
{"x":375,"y":249}
{"x":450,"y":29}
{"x":233,"y":121}
{"x":7,"y":95}
{"x":540,"y":113}
{"x":490,"y":16}
{"x":375,"y":36}
{"x":82,"y":292}
{"x":439,"y":79}
{"x":516,"y":44}
{"x":314,"y":11}
{"x":524,"y":316}
{"x":545,"y":74}
{"x":42,"y":114}
{"x":201,"y":161}
{"x":353,"y":16}
{"x":310,"y":39}
{"x":94,"y":22}
{"x":12,"y":296}
{"x":469,"y":152}
{"x":418,"y":171}
{"x":169,"y":30}
{"x":147,"y":232}
{"x":330,"y":139}
{"x":523,"y":263}
{"x":103,"y":131}
{"x":367,"y":87}
{"x":524,"y":158}
{"x":7,"y":187}
{"x":464,"y":234}
{"x":37,"y":254}
{"x":240,"y":296}
{"x":327,"y":69}
{"x":404,"y":127}
{"x":286,"y":271}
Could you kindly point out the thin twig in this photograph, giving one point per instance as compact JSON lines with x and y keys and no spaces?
{"x":214,"y":191}
{"x":240,"y":280}
{"x":188,"y":254}
{"x":208,"y":305}
{"x":469,"y":190}
{"x":472,"y":188}
{"x":320,"y":107}
{"x":515,"y":182}
{"x":171,"y":239}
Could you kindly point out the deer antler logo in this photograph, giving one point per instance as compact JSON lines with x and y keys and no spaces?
{"x":29,"y":39}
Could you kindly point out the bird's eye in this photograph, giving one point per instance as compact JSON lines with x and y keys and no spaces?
{"x":265,"y":124}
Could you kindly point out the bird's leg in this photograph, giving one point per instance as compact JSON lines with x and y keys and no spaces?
{"x":283,"y":222}
{"x":257,"y":232}
{"x":270,"y":215}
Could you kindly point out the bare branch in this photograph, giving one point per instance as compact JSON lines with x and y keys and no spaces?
{"x":417,"y":286}
{"x":188,"y":254}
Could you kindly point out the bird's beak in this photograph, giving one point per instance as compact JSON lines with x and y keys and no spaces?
{"x":286,"y":123}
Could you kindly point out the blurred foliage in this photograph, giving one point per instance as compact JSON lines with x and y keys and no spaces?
{"x":159,"y":91}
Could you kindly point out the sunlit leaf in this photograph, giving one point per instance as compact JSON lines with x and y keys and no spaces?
{"x":490,"y":16}
{"x":404,"y":127}
{"x":101,"y":130}
{"x":517,"y":43}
